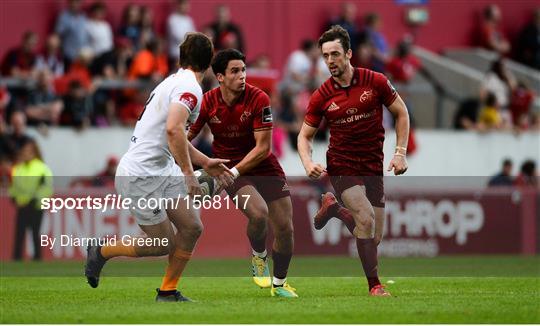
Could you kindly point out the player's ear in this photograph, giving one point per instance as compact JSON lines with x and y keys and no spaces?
{"x":349,"y":54}
{"x":220,"y":78}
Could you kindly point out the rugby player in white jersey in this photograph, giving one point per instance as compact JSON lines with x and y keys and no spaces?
{"x":148,"y":170}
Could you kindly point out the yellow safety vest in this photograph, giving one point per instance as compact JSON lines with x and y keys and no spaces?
{"x":31,"y":180}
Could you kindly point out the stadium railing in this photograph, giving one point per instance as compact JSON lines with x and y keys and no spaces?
{"x":458,"y":80}
{"x":481,"y":59}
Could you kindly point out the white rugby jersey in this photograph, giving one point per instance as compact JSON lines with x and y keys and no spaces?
{"x":149,"y":153}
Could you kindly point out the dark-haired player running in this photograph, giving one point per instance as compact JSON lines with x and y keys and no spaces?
{"x":240,"y":118}
{"x":352,"y":100}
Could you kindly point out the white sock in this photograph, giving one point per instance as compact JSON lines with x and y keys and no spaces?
{"x":278,"y":281}
{"x":259,"y":254}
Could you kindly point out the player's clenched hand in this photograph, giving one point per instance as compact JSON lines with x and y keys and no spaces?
{"x":398,"y":164}
{"x":314,"y":170}
{"x":193,"y":186}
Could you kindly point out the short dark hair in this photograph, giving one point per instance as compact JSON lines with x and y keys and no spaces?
{"x":528,"y":168}
{"x":336,"y":32}
{"x":507,"y":162}
{"x":488,"y":11}
{"x":196,"y":52}
{"x":222,"y":58}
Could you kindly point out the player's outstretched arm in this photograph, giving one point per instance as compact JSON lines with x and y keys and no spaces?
{"x":263,"y":144}
{"x":305,"y":149}
{"x":401,"y":116}
{"x":179,"y":145}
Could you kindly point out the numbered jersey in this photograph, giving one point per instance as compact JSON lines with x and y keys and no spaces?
{"x":149,"y":153}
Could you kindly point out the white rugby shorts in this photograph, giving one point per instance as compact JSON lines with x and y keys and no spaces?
{"x":141,"y":189}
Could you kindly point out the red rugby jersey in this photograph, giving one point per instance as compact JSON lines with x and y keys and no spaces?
{"x":233,"y":126}
{"x":354,"y":116}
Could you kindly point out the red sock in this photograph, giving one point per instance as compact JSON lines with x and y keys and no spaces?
{"x":281,"y":264}
{"x":367,"y":250}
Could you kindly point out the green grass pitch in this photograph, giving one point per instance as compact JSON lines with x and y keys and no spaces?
{"x":490,"y":289}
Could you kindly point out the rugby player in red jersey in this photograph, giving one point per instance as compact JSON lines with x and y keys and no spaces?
{"x":240,"y":119}
{"x":351,"y":100}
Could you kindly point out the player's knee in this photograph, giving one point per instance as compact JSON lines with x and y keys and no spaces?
{"x":284,"y":230}
{"x":193,"y":231}
{"x":365,"y":223}
{"x":259,"y":215}
{"x":368,"y":223}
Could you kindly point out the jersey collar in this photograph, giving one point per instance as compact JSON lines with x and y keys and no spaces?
{"x":355,"y":80}
{"x":240,"y":99}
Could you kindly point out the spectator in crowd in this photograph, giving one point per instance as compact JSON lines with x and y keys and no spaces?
{"x":111,"y":65}
{"x":466,"y":117}
{"x":130,"y":27}
{"x":365,"y":56}
{"x":503,"y":178}
{"x":115,"y":63}
{"x":6,"y":164}
{"x":18,"y":137}
{"x":178,"y":24}
{"x":44,"y":107}
{"x":372,"y":35}
{"x":20,"y":61}
{"x":529,"y":42}
{"x":147,"y":26}
{"x":520,"y":103}
{"x":99,"y":30}
{"x":5,"y":99}
{"x":499,"y":81}
{"x":225,"y":33}
{"x":300,"y":69}
{"x":260,"y":63}
{"x":261,"y":75}
{"x":300,"y":76}
{"x":6,"y":157}
{"x":150,"y":63}
{"x":491,"y":116}
{"x":31,"y":181}
{"x":404,"y":66}
{"x":528,"y":177}
{"x":77,"y":106}
{"x":491,"y":35}
{"x":79,"y":70}
{"x":535,"y":121}
{"x":347,"y":20}
{"x":130,"y":111}
{"x":104,"y":178}
{"x":72,"y":28}
{"x":51,"y":57}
